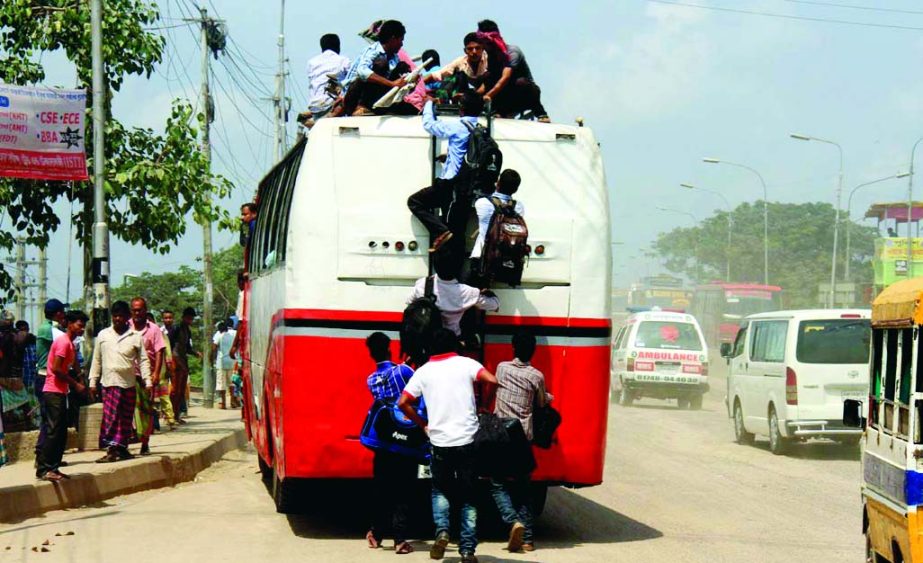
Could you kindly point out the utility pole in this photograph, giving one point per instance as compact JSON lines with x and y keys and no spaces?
{"x":20,"y":279}
{"x":42,"y":282}
{"x":208,"y":380}
{"x":100,"y":262}
{"x":279,"y":100}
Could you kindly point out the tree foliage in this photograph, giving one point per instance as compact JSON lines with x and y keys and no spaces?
{"x":800,"y":247}
{"x":153,"y":180}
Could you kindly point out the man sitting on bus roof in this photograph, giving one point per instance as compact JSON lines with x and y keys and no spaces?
{"x":441,"y":193}
{"x":453,"y":297}
{"x":375,"y":72}
{"x":519,"y":93}
{"x":470,"y":68}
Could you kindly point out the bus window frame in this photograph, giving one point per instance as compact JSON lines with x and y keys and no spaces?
{"x":274,"y":216}
{"x":876,"y":369}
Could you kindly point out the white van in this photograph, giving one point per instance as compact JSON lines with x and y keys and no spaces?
{"x":660,"y":355}
{"x":790,"y":372}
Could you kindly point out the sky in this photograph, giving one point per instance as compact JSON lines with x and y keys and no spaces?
{"x":662,"y":85}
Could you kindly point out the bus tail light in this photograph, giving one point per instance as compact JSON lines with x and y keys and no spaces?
{"x":697,"y":369}
{"x":540,"y":249}
{"x":399,"y":246}
{"x":644,"y":366}
{"x":791,"y":387}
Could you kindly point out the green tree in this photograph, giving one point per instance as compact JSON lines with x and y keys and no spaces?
{"x":800,"y":246}
{"x":174,"y":291}
{"x":153,"y":180}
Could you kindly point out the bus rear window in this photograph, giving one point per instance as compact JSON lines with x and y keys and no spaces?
{"x":834,"y":341}
{"x":668,"y":335}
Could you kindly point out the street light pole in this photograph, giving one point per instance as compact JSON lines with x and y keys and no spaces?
{"x":836,"y":219}
{"x":910,"y":211}
{"x":695,"y":244}
{"x":849,"y":212}
{"x":765,"y":211}
{"x":730,"y":222}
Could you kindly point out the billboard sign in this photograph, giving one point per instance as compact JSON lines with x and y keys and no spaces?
{"x":42,"y":133}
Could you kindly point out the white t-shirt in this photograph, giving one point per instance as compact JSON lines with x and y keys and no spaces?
{"x":446,"y":383}
{"x":485,"y":210}
{"x":453,"y":299}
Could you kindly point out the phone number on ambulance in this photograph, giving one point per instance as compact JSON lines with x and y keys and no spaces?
{"x":666,"y":378}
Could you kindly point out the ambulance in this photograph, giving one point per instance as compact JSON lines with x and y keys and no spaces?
{"x":661,"y":355}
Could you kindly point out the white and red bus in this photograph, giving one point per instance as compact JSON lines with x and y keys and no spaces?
{"x":334,"y":257}
{"x":720,"y":307}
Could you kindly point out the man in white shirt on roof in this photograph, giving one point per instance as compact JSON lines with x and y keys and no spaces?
{"x":328,"y":62}
{"x":453,"y":297}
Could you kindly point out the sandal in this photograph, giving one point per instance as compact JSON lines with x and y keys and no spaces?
{"x":440,"y":240}
{"x":403,"y":548}
{"x":373,"y":541}
{"x":110,"y":457}
{"x":52,"y":476}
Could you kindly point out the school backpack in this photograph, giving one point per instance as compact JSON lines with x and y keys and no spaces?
{"x":387,"y":428}
{"x":12,"y":352}
{"x":420,"y":321}
{"x":505,"y":245}
{"x":483,"y":161}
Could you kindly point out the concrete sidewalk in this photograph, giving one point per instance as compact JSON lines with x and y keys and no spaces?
{"x":176,"y":457}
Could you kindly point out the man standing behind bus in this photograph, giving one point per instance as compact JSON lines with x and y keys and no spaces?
{"x":446,"y":383}
{"x":521,"y":388}
{"x":442,"y":193}
{"x":392,"y":473}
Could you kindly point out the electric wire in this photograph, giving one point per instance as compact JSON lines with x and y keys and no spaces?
{"x":853,"y":7}
{"x":785,"y":16}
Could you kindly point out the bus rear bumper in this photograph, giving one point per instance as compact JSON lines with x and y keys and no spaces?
{"x":820,"y":429}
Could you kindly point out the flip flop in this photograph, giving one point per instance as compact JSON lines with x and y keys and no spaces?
{"x":373,"y":542}
{"x":403,"y":548}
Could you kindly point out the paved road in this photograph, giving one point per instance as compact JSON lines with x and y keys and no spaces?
{"x":677,"y":489}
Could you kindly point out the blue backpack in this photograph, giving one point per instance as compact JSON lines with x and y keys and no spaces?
{"x":387,"y":428}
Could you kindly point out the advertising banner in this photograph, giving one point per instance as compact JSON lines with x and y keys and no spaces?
{"x":42,"y":133}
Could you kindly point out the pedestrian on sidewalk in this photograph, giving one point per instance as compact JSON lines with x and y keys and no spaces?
{"x":162,"y":391}
{"x":222,"y":342}
{"x":521,"y":388}
{"x":118,"y":349}
{"x":145,"y":406}
{"x":59,"y":375}
{"x":45,"y":336}
{"x":446,"y":384}
{"x":181,"y":343}
{"x":391,"y":472}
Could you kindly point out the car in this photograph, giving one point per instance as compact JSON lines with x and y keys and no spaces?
{"x":661,"y":355}
{"x":790,"y":372}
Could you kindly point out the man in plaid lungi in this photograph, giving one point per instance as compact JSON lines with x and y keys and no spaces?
{"x":152,"y":338}
{"x":118,"y":349}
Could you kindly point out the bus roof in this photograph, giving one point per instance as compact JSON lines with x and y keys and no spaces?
{"x":723,"y":285}
{"x":899,"y":304}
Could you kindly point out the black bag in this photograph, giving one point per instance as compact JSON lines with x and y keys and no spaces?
{"x":502,"y":450}
{"x":545,"y":420}
{"x":420,"y":321}
{"x":483,"y":161}
{"x":505,"y":245}
{"x":387,"y":428}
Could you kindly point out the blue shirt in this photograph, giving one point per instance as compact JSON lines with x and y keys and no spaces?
{"x":29,"y":366}
{"x":362,"y":66}
{"x":455,"y":131}
{"x":388,"y":381}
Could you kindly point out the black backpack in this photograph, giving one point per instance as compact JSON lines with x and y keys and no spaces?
{"x":483,"y":161}
{"x":421,"y":320}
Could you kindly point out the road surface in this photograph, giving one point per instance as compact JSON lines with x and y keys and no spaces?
{"x":676,"y":489}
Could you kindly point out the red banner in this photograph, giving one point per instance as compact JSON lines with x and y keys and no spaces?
{"x":42,"y":133}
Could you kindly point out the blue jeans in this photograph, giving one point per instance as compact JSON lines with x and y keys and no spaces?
{"x":454,"y":478}
{"x":513,"y":503}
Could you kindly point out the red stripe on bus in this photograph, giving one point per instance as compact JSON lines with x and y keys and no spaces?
{"x":388,"y":316}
